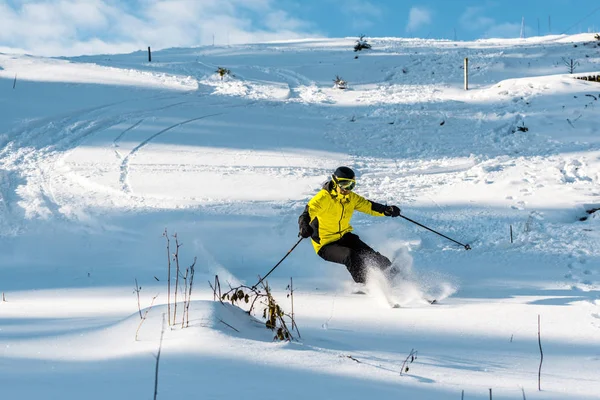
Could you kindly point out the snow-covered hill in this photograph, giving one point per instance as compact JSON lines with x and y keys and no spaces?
{"x":100,"y":154}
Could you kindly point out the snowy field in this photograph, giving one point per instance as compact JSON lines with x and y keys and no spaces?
{"x":100,"y":154}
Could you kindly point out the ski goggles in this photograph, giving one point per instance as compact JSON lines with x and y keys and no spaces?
{"x":344,"y":183}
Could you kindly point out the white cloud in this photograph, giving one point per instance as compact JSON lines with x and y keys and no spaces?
{"x":473,"y":19}
{"x":417,"y":18}
{"x":73,"y":27}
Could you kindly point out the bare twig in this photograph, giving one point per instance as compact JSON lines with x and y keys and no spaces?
{"x":3,"y":298}
{"x":187,"y":271}
{"x":166,"y":235}
{"x":294,"y":325}
{"x":187,"y":307}
{"x":541,"y":356}
{"x":523,"y":390}
{"x":218,"y":285}
{"x":354,"y":359}
{"x":176,"y":258}
{"x":137,"y":290}
{"x":162,"y":333}
{"x":225,"y":323}
{"x":412,"y":356}
{"x":490,"y":393}
{"x":215,"y":288}
{"x":144,"y":317}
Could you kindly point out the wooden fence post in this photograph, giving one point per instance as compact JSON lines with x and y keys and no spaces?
{"x":466,"y":73}
{"x":149,"y":55}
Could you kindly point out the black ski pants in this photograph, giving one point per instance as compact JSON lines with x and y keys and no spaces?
{"x":355,"y":254}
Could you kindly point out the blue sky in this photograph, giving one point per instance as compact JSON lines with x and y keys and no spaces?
{"x":71,"y":27}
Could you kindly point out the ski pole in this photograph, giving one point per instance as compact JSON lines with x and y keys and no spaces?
{"x":276,"y":265}
{"x":466,"y":246}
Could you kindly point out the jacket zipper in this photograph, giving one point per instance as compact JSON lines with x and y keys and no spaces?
{"x":340,"y":221}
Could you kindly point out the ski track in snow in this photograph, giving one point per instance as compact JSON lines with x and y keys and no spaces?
{"x":125,"y":163}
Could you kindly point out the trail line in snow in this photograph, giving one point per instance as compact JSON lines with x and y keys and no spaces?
{"x":125,"y":163}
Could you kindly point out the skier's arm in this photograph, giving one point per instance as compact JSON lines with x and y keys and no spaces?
{"x":310,"y":212}
{"x":376,"y":209}
{"x":369,"y":207}
{"x":304,"y":218}
{"x":312,"y":209}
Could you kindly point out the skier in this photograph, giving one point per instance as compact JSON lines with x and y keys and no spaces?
{"x":326,"y":220}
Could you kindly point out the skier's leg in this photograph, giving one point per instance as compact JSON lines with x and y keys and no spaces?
{"x":370,"y":257}
{"x":354,"y":261}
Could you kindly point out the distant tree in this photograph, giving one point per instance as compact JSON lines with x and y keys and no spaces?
{"x":361,"y":43}
{"x":570,"y":64}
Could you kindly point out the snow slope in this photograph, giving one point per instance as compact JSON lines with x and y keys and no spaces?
{"x":100,"y":154}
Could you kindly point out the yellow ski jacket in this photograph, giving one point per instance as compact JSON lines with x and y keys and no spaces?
{"x":329,"y":214}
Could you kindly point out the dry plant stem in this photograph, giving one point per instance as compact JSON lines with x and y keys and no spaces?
{"x":294,"y":325}
{"x":3,"y":298}
{"x":523,"y":390}
{"x":273,"y":313}
{"x":187,"y":307}
{"x":144,"y":317}
{"x":162,"y":333}
{"x":279,"y":318}
{"x":411,"y":356}
{"x":292,"y":299}
{"x":137,"y":291}
{"x":215,"y":288}
{"x":185,"y":299}
{"x":541,"y":356}
{"x":225,"y":323}
{"x":176,"y":257}
{"x":166,"y":235}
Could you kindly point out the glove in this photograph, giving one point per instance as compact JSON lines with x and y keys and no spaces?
{"x":391,"y":211}
{"x":305,"y":230}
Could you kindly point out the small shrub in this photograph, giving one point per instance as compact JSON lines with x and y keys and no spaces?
{"x":222,"y":72}
{"x":361,"y":43}
{"x":597,"y":36}
{"x":340,"y":83}
{"x":275,"y":317}
{"x":521,"y":128}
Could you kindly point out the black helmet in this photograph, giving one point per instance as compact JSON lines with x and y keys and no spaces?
{"x":343,"y":173}
{"x":344,"y":178}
